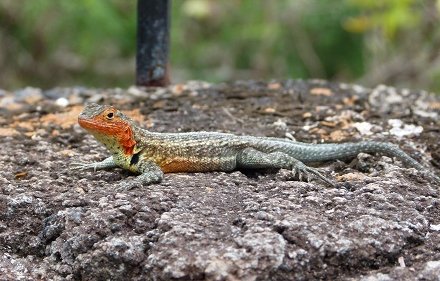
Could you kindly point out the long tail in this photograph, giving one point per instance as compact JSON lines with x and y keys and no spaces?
{"x":322,"y":152}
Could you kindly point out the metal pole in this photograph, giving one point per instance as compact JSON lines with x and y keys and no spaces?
{"x":152,"y":43}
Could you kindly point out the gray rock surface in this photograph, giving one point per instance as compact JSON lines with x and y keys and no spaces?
{"x":381,"y":223}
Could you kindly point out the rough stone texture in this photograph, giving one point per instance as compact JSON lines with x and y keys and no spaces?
{"x":381,"y":223}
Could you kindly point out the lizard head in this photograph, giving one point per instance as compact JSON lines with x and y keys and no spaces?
{"x":109,"y":126}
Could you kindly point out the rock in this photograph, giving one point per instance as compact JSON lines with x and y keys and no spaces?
{"x":62,"y":102}
{"x":380,"y":223}
{"x":431,"y":271}
{"x":29,"y":95}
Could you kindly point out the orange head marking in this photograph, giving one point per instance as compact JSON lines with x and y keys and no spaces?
{"x":109,"y":126}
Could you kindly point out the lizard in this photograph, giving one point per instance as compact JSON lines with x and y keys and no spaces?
{"x":151,"y":154}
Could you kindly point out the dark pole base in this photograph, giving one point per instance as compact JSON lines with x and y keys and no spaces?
{"x":152,"y":43}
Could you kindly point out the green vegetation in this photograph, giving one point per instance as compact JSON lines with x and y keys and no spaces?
{"x":48,"y":43}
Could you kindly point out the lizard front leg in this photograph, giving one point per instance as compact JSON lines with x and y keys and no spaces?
{"x":107,"y":163}
{"x":149,"y":171}
{"x":253,"y":159}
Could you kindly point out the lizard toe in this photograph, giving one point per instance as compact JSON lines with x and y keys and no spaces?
{"x":78,"y":166}
{"x":307,"y":173}
{"x":126,"y":186}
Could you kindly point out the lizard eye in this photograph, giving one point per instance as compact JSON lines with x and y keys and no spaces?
{"x":110,"y":115}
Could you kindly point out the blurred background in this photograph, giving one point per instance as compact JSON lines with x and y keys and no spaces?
{"x":48,"y":43}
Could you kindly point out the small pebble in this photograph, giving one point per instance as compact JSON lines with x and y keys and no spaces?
{"x":63,"y":102}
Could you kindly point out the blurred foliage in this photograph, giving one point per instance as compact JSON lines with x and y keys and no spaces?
{"x":49,"y":43}
{"x":238,"y":40}
{"x":388,"y":16}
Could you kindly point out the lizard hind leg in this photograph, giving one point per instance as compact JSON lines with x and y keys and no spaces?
{"x":251,"y":158}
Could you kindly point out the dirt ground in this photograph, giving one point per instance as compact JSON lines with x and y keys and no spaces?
{"x":382,"y":221}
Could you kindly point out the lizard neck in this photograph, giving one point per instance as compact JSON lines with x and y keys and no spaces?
{"x":120,"y":140}
{"x":141,"y":137}
{"x":123,"y":155}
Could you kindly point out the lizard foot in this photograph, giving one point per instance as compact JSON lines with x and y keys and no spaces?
{"x":78,"y":166}
{"x":302,"y":170}
{"x":127,"y":185}
{"x":104,"y":164}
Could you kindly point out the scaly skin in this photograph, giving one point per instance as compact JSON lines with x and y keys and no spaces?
{"x":153,"y":154}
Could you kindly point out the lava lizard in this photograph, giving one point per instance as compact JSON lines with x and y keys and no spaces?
{"x":152,"y":154}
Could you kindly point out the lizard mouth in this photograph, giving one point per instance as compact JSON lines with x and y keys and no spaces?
{"x":87,"y":124}
{"x":92,"y":125}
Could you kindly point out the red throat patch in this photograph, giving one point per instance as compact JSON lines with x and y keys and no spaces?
{"x":127,"y":141}
{"x":113,"y":126}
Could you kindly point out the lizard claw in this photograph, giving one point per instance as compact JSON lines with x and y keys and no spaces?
{"x":126,"y":186}
{"x":294,"y":172}
{"x":308,"y":178}
{"x":122,"y":187}
{"x":303,"y":170}
{"x":300,"y":175}
{"x":95,"y":166}
{"x":140,"y":181}
{"x":78,"y":166}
